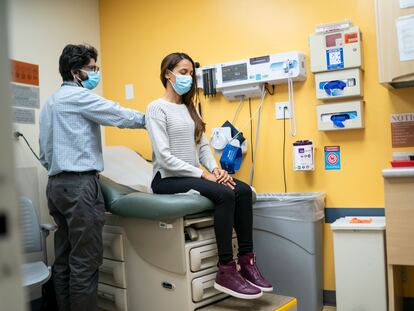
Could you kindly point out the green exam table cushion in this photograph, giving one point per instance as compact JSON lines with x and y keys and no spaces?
{"x":124,"y":201}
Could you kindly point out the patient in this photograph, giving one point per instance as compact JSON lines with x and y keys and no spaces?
{"x":179,"y":146}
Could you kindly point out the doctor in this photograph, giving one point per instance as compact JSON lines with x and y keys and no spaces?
{"x":71,"y":151}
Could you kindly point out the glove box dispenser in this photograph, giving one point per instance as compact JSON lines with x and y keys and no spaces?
{"x":341,"y":116}
{"x":339,"y":84}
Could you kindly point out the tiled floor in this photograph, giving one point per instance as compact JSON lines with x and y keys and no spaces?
{"x":329,"y":309}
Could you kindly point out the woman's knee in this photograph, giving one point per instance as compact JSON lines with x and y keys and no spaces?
{"x":226,"y":194}
{"x":243,"y":189}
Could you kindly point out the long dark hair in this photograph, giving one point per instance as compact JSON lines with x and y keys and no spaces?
{"x":168,"y":63}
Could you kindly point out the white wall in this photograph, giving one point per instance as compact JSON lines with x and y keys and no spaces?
{"x":38,"y":32}
{"x":11,"y":292}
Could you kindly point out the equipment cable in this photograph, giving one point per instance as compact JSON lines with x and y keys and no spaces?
{"x":17,"y":134}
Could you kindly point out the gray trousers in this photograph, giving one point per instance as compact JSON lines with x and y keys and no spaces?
{"x":77,"y":206}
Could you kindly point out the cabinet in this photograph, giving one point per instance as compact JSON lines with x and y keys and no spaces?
{"x":158,"y":265}
{"x":112,"y":287}
{"x":392,"y":71}
{"x":399,"y":212}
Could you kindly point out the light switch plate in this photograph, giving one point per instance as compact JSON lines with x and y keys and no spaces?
{"x":129,"y":91}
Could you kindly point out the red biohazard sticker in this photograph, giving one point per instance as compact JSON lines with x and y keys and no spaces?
{"x":351,"y":37}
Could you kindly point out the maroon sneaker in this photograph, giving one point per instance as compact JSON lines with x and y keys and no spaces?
{"x":229,"y":281}
{"x":251,"y":273}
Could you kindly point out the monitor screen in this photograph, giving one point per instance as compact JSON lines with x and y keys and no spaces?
{"x":234,"y":72}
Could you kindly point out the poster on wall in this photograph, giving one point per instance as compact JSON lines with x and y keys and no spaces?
{"x":25,"y":91}
{"x":25,"y":96}
{"x":24,"y":116}
{"x":402,"y":130}
{"x":332,"y":158}
{"x":405,"y":35}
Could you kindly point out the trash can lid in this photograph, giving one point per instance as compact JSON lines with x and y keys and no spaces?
{"x":359,"y":223}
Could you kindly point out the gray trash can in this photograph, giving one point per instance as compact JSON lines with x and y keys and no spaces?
{"x":287,"y":234}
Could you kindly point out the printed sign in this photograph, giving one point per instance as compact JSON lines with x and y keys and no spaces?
{"x":24,"y":116}
{"x":351,"y":37}
{"x":25,"y":96}
{"x":402,"y":130}
{"x":24,"y":86}
{"x":24,"y":73}
{"x":405,"y":35}
{"x":335,"y":59}
{"x":332,"y":158}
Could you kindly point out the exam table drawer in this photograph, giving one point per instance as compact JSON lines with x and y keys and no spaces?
{"x":112,"y":273}
{"x":203,"y":287}
{"x":111,"y":298}
{"x":205,"y":257}
{"x":113,"y":246}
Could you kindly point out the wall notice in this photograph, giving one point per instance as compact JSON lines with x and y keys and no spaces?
{"x":332,"y":157}
{"x":25,"y":96}
{"x":402,"y":130}
{"x":25,"y":84}
{"x":24,"y":116}
{"x":405,"y":33}
{"x":25,"y":73}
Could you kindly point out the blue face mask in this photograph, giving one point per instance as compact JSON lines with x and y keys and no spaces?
{"x":93,"y":79}
{"x":182,"y":84}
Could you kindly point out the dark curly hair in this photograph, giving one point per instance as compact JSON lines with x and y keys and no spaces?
{"x":75,"y":57}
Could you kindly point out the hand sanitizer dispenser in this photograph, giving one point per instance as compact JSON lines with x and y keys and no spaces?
{"x":303,"y":155}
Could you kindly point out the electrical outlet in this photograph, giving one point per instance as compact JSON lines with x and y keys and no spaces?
{"x":279,"y":110}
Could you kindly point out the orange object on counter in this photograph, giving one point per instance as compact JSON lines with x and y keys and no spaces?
{"x":356,"y":220}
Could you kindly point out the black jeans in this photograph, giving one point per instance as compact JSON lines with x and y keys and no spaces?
{"x":77,"y":206}
{"x":232,"y":207}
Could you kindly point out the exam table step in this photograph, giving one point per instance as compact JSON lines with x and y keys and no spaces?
{"x":268,"y":302}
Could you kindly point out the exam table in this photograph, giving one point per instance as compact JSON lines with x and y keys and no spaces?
{"x":160,"y":252}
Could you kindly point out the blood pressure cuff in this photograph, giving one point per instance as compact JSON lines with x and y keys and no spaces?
{"x":234,"y":131}
{"x":231,"y":158}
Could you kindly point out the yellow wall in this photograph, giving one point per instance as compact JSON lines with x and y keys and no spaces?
{"x":136,"y":35}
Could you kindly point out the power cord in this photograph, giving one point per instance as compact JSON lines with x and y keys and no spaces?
{"x":292,"y":108}
{"x":17,"y":134}
{"x":259,"y":111}
{"x":236,"y":114}
{"x":284,"y":148}
{"x":273,"y":89}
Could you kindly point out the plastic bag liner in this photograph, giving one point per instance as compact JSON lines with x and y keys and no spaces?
{"x":298,"y":206}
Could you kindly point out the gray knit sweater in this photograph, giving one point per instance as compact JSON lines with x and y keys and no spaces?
{"x":174,"y":151}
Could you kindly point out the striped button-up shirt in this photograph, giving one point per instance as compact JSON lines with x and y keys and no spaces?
{"x":70,"y":135}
